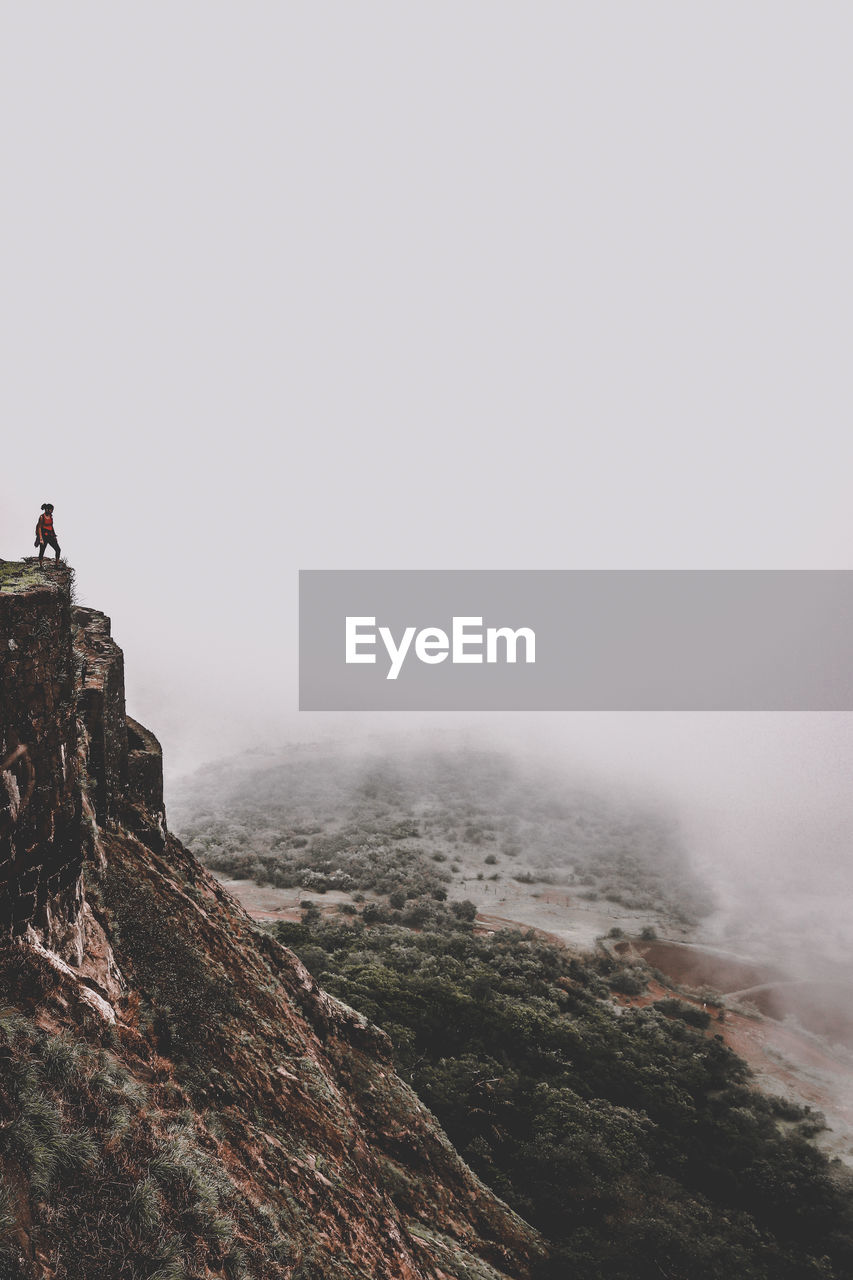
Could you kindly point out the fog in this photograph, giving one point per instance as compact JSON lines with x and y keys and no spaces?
{"x":762,"y":802}
{"x":419,"y":287}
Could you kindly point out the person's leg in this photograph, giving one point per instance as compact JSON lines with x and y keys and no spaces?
{"x":41,"y":552}
{"x":55,"y":545}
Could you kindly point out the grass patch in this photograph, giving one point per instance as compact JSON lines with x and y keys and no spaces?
{"x":23,"y":575}
{"x":118,"y":1187}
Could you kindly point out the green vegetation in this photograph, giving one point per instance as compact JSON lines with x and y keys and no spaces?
{"x":110,"y":1175}
{"x":689,"y":1013}
{"x":192,"y":997}
{"x":630,"y":1138}
{"x":21,"y":575}
{"x":127,"y":1191}
{"x":328,"y":820}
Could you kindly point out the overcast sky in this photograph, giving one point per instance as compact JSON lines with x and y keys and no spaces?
{"x":373,"y":285}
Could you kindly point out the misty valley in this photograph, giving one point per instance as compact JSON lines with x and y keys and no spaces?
{"x":652,"y":1104}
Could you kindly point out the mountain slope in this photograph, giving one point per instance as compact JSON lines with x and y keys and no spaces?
{"x":177,"y":1096}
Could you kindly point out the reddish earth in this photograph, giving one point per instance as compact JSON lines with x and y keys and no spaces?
{"x":694,"y":966}
{"x":805,"y":1058}
{"x":825,"y":1008}
{"x":788,"y":1058}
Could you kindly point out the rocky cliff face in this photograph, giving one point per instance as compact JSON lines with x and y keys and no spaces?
{"x":40,"y":798}
{"x":177,"y":1097}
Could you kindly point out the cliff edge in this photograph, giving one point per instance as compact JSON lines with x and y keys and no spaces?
{"x":178,"y":1098}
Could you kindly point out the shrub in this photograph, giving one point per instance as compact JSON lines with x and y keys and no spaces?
{"x":689,"y":1013}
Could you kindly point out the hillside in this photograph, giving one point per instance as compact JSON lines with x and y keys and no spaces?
{"x":182,"y":1098}
{"x":598,"y":1096}
{"x":402,"y":816}
{"x":178,"y":1098}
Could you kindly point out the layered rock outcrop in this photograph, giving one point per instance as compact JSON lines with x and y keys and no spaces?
{"x":41,"y":851}
{"x":71,"y":757}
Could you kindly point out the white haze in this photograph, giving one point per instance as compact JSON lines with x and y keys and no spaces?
{"x":427,"y":286}
{"x":763,"y":802}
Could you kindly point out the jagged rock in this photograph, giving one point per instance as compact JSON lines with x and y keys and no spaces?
{"x":40,"y":848}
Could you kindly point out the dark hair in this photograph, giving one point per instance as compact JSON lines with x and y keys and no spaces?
{"x":45,"y":505}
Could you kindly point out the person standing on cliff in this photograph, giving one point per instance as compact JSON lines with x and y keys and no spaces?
{"x":45,"y":535}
